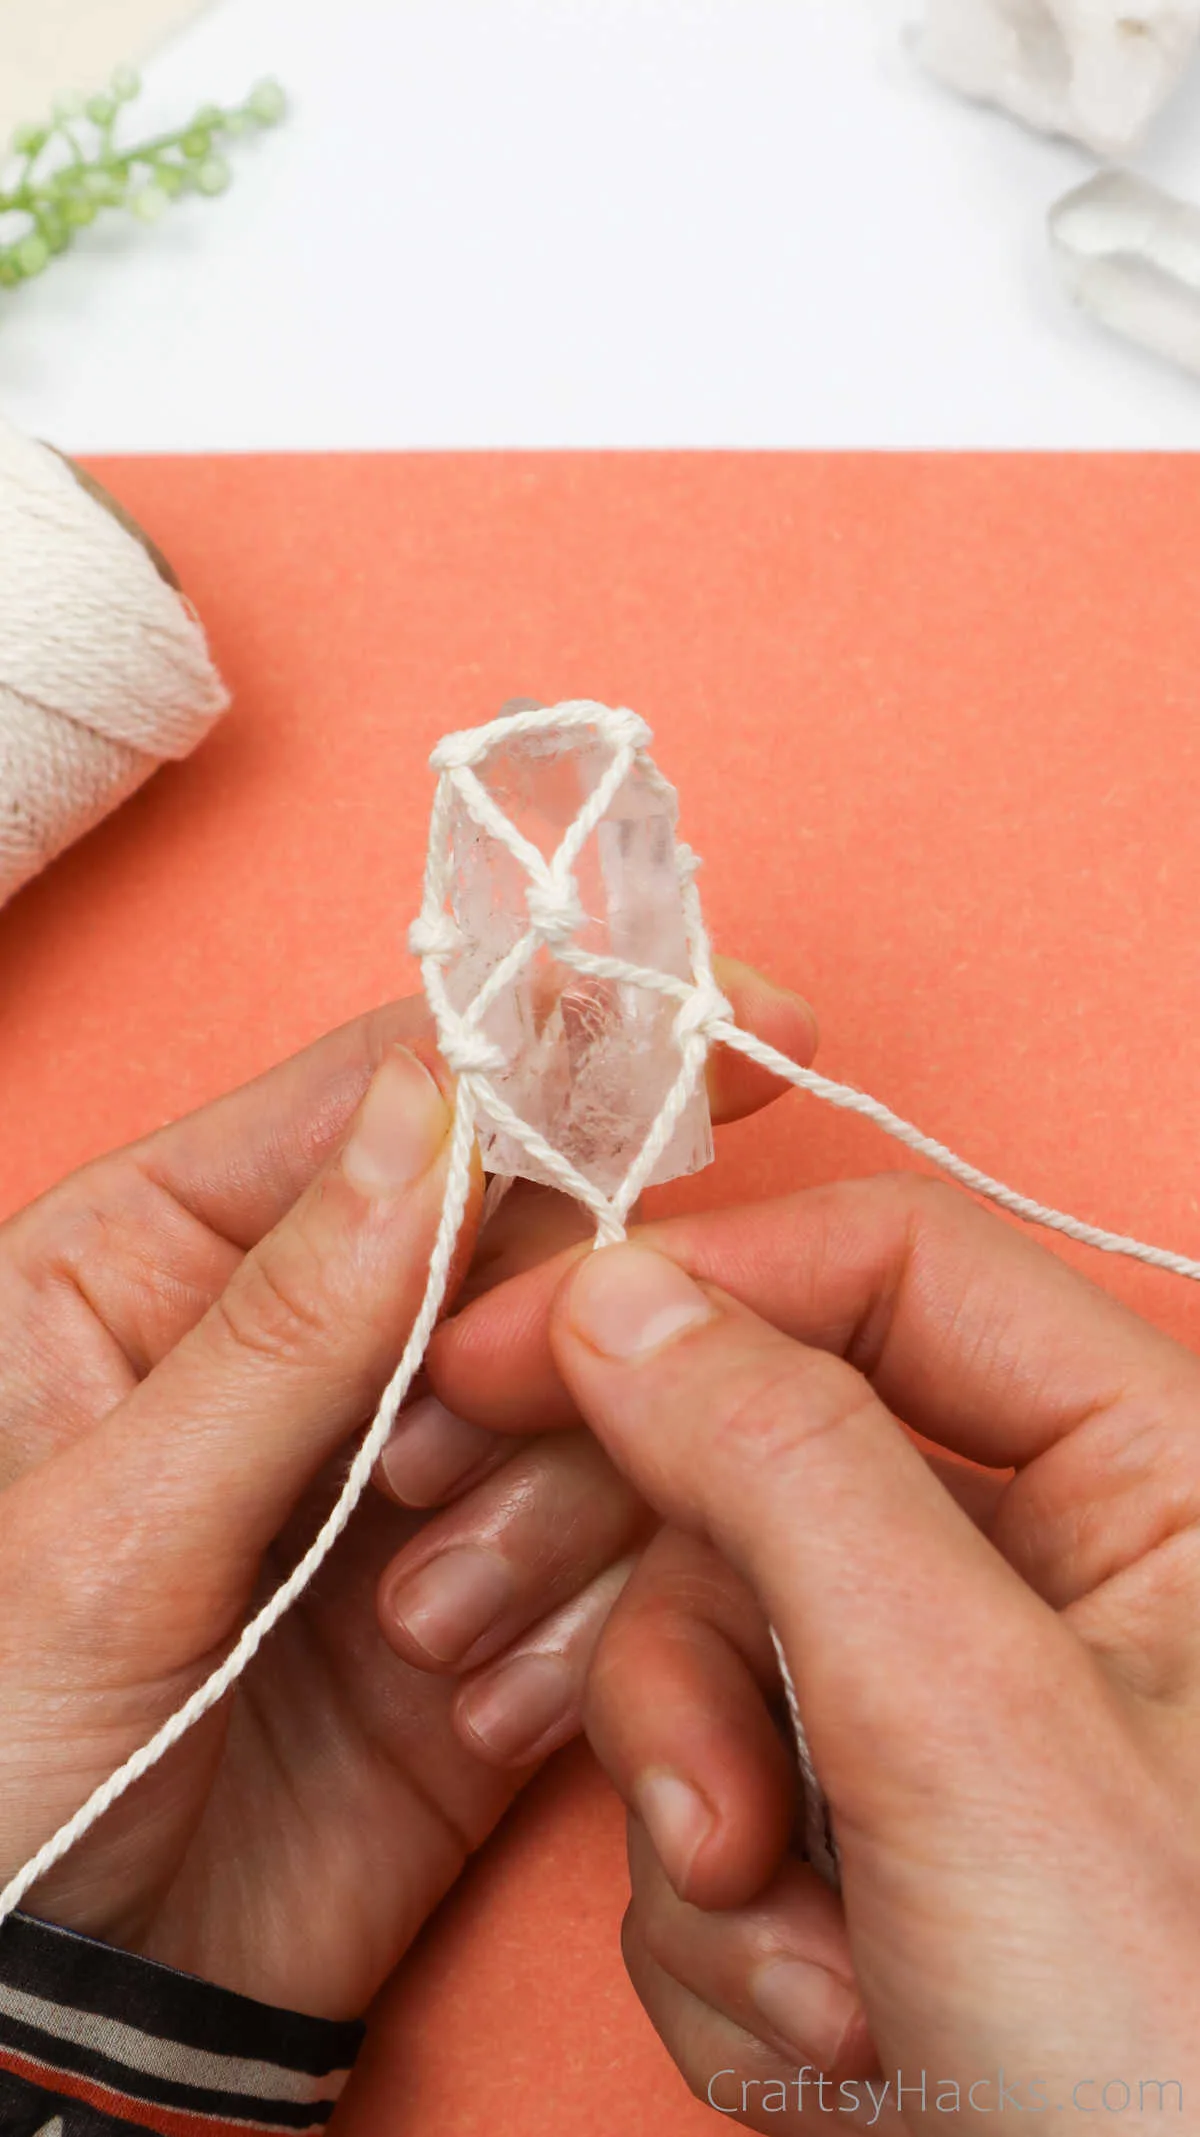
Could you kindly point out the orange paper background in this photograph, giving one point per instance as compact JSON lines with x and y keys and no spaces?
{"x":933,"y":722}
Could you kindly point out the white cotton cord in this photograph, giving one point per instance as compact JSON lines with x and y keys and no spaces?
{"x":703,"y":1019}
{"x":104,"y":671}
{"x":614,"y":724}
{"x":819,"y":1844}
{"x":213,"y":1690}
{"x":498,"y":1190}
{"x":848,"y":1100}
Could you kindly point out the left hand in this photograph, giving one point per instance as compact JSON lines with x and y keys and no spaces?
{"x":190,"y":1333}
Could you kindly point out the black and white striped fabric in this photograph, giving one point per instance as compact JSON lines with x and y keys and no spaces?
{"x":94,"y":2041}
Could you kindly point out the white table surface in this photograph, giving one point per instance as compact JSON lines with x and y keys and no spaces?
{"x":742,"y":223}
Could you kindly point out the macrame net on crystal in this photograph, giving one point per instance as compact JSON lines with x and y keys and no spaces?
{"x":570,"y":977}
{"x":565,"y":958}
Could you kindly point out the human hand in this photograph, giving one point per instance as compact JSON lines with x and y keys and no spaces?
{"x":1004,"y":1709}
{"x":508,"y":1587}
{"x":192,"y":1330}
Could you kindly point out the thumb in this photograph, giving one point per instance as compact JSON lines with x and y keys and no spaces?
{"x":189,"y":1479}
{"x":911,"y":1642}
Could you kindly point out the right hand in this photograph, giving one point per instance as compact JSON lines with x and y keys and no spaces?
{"x":1005,"y":1710}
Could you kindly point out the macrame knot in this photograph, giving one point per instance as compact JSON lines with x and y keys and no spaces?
{"x":433,"y":935}
{"x":455,"y":753}
{"x":701,"y":1011}
{"x":554,"y":909}
{"x":469,"y":1052}
{"x":623,"y":727}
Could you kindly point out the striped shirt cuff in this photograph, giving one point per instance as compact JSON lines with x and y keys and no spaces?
{"x":94,"y":2040}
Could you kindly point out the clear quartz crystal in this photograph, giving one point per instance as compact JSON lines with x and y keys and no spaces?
{"x":1097,"y":70}
{"x":1130,"y":254}
{"x":588,"y":1062}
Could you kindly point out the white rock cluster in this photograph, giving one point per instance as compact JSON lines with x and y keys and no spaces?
{"x":1097,"y":70}
{"x":1130,"y":254}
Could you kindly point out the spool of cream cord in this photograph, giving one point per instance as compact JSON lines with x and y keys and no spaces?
{"x":104,"y":669}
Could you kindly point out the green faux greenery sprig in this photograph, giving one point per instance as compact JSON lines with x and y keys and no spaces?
{"x":64,"y":178}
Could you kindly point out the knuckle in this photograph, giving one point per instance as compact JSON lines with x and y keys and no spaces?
{"x":664,"y":1620}
{"x":693,"y":1598}
{"x":276,"y":1309}
{"x":629,"y":1630}
{"x":919,"y":1218}
{"x":71,"y":1232}
{"x":909,"y":1190}
{"x":927,"y":1199}
{"x":787,"y":1406}
{"x":908,"y":1207}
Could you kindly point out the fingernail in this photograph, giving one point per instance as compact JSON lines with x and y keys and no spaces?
{"x":431,"y":1450}
{"x":450,"y":1603}
{"x":401,"y":1126}
{"x":808,"y":2009}
{"x":677,"y":1819}
{"x":514,"y":1707}
{"x":626,"y":1301}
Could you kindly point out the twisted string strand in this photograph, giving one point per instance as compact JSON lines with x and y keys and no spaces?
{"x":488,"y":814}
{"x":848,"y":1100}
{"x":535,"y":1145}
{"x":213,"y":1690}
{"x":594,"y":809}
{"x":614,"y":724}
{"x":819,"y":1844}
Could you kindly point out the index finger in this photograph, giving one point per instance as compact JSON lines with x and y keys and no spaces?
{"x":240,"y":1163}
{"x":884,"y":1594}
{"x":978,"y":1337}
